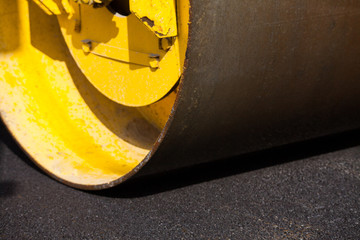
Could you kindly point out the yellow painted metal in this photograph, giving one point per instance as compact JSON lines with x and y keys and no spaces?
{"x":158,"y":113}
{"x":51,"y":7}
{"x":121,"y":54}
{"x":118,"y":71}
{"x":158,"y":15}
{"x":55,"y":7}
{"x":67,"y":126}
{"x":121,"y":47}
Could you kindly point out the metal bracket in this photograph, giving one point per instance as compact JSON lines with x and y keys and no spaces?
{"x":158,"y":15}
{"x":121,"y":54}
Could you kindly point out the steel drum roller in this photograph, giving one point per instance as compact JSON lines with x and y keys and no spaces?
{"x":108,"y":90}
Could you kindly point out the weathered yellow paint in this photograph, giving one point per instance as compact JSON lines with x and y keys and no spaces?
{"x":158,"y":113}
{"x":127,"y":63}
{"x":65,"y":124}
{"x":158,"y":15}
{"x":120,"y":45}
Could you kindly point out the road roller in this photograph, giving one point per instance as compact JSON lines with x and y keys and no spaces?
{"x":99,"y":91}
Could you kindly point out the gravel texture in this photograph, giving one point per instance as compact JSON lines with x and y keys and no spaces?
{"x":308,"y":190}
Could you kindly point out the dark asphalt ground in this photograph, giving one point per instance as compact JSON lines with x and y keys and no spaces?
{"x":309,"y":190}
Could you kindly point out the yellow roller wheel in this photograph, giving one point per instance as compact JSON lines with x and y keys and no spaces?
{"x":90,"y":115}
{"x":93,"y":94}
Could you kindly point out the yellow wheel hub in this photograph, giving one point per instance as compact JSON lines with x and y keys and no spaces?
{"x":120,"y":56}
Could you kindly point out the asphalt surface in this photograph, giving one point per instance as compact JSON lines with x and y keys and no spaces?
{"x":308,"y":190}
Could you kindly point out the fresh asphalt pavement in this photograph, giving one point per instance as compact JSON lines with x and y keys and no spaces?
{"x":308,"y":190}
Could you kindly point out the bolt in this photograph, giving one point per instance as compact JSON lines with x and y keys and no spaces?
{"x":154,"y":61}
{"x":166,"y":43}
{"x":86,"y":46}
